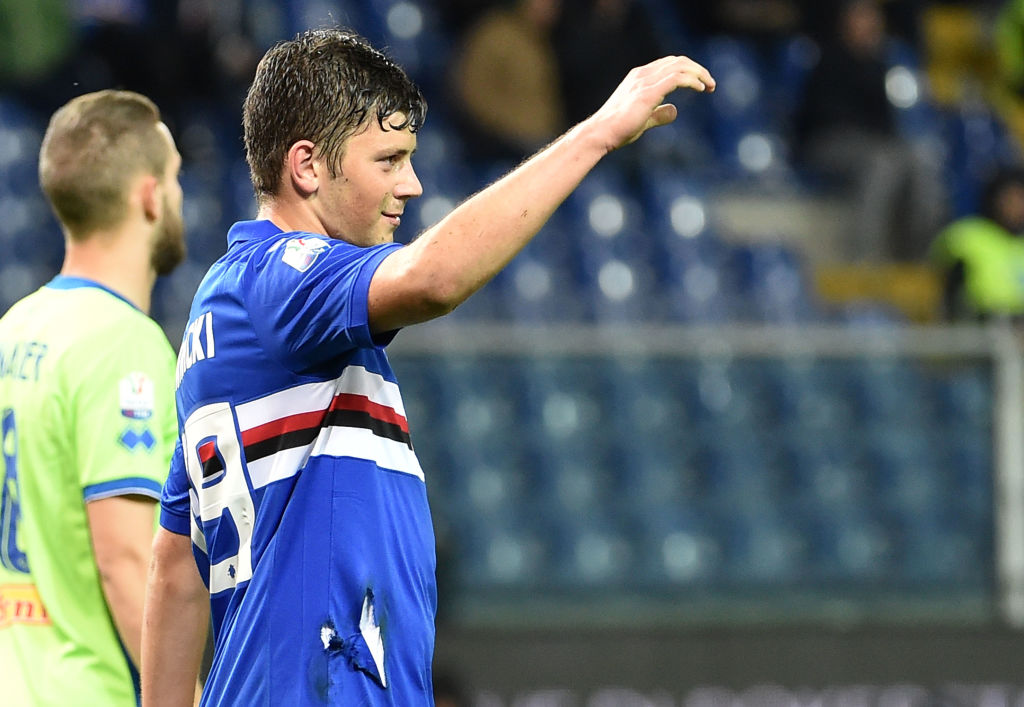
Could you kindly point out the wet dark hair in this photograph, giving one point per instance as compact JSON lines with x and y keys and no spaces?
{"x":321,"y":86}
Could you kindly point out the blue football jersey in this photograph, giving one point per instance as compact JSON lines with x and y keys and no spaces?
{"x":296,"y":479}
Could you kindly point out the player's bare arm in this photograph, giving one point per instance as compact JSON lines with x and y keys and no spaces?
{"x":462,"y":252}
{"x":122,"y":530}
{"x":175,"y":622}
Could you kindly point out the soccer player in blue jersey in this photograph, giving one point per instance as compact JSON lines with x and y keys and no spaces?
{"x":296,"y":512}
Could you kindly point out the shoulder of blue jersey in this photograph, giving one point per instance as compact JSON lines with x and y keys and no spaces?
{"x":301,"y":253}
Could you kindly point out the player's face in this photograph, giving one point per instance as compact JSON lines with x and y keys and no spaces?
{"x":363,"y":204}
{"x":169,"y":243}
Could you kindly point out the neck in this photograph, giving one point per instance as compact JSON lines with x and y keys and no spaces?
{"x":291,"y":217}
{"x":117,"y":259}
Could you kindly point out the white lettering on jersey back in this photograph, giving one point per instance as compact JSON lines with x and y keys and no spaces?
{"x":197,"y":344}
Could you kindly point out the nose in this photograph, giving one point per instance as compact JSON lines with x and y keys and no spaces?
{"x":409,"y":186}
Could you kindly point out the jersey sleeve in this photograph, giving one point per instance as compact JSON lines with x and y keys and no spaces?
{"x":121,"y":406}
{"x":174,"y":501}
{"x":308,"y":299}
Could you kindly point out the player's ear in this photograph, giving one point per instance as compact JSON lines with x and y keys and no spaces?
{"x":302,"y":169}
{"x":148,"y":189}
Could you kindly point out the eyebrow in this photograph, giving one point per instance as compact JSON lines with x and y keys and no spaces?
{"x":404,"y":151}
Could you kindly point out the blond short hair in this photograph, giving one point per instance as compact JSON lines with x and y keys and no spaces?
{"x":93,"y":147}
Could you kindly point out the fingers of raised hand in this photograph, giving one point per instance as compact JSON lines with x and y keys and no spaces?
{"x":672,"y":72}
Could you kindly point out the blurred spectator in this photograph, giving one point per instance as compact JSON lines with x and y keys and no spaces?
{"x":1008,"y":95}
{"x":36,"y":40}
{"x":982,"y":256}
{"x":180,"y":52}
{"x":846,"y":132}
{"x":459,"y":15}
{"x":761,"y":21}
{"x":598,"y":42}
{"x":902,"y":17}
{"x":957,"y":49}
{"x":505,"y":81}
{"x":1009,"y":40}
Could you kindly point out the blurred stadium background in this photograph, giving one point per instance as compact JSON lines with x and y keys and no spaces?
{"x":678,"y":453}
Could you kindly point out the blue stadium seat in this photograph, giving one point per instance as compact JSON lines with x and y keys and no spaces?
{"x":674,"y":201}
{"x":480,"y":482}
{"x":238,"y":198}
{"x":729,"y":392}
{"x":622,"y":290}
{"x":812,"y":393}
{"x":18,"y":280}
{"x":978,"y":144}
{"x":593,"y":551}
{"x":206,"y":224}
{"x":505,"y":551}
{"x":748,"y":139}
{"x":742,"y":469}
{"x":794,"y":58}
{"x":440,"y":162}
{"x":891,"y":389}
{"x":564,"y":408}
{"x":172,"y":298}
{"x":908,"y":476}
{"x":965,"y":396}
{"x":29,"y":232}
{"x":772,"y":283}
{"x":679,"y":548}
{"x":966,"y":457}
{"x":646,"y":400}
{"x":937,"y":554}
{"x":682,"y":143}
{"x":410,"y":32}
{"x":906,"y":87}
{"x":604,"y":222}
{"x":763,"y":547}
{"x":700,"y":293}
{"x":849,"y":545}
{"x":827,"y":468}
{"x":658,"y":475}
{"x":535,"y":290}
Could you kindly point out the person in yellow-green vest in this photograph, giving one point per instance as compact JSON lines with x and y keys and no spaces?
{"x":982,"y":255}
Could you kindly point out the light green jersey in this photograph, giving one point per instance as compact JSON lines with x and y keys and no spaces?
{"x":87,"y":408}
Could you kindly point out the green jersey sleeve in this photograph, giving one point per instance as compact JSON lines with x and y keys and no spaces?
{"x":122,"y":410}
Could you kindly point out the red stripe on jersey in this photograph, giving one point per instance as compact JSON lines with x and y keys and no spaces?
{"x":348,"y":401}
{"x":206,"y":451}
{"x":275,"y":428}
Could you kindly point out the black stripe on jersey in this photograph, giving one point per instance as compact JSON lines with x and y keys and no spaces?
{"x":360,"y":418}
{"x":335,"y":418}
{"x":288,"y":440}
{"x":212,"y":466}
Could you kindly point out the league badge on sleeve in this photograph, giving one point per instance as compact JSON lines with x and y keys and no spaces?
{"x":301,"y":253}
{"x":137,"y":397}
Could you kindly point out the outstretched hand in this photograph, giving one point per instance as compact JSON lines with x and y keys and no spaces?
{"x":637,"y":104}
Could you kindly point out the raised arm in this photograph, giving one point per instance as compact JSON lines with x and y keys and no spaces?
{"x":453,"y":259}
{"x":175,"y":624}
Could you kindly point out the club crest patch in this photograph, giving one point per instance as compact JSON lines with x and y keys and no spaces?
{"x":136,"y":394}
{"x":301,"y":253}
